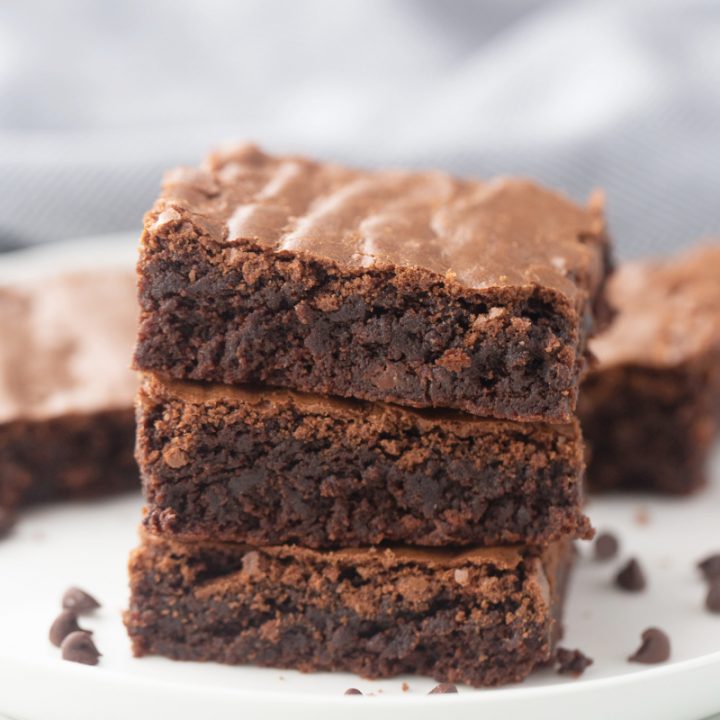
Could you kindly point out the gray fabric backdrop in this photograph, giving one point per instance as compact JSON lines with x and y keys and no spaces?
{"x":96,"y":98}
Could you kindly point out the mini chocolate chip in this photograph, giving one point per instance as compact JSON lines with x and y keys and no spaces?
{"x":352,"y":691}
{"x":78,"y":647}
{"x":710,"y":566}
{"x":79,"y":601}
{"x":7,"y":522}
{"x":631,"y":577}
{"x":655,"y":647}
{"x":443,"y":689}
{"x":64,"y":624}
{"x":712,"y":600}
{"x":572,"y":662}
{"x":606,"y":546}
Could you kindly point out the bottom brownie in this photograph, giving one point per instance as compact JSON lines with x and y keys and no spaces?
{"x":481,"y":617}
{"x":75,"y":456}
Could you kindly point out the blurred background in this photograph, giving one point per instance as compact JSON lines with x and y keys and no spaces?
{"x":97,"y":98}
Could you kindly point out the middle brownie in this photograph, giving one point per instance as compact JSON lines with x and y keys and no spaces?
{"x":271,"y":467}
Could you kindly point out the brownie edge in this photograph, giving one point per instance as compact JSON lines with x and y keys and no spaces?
{"x":483,"y":617}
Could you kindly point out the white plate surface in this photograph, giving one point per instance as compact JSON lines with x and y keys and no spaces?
{"x":88,"y":543}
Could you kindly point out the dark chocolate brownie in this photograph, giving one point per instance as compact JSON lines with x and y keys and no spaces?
{"x":72,"y":456}
{"x":481,"y":617}
{"x":66,"y":393}
{"x":268,"y":467}
{"x":414,"y":288}
{"x":649,"y":410}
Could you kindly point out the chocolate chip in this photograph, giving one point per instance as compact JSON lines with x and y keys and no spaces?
{"x":79,"y":601}
{"x":655,"y":647}
{"x":710,"y":566}
{"x":443,"y":689}
{"x":631,"y":577}
{"x":7,"y":522}
{"x":606,"y":546}
{"x":572,"y":662}
{"x":712,"y":600}
{"x":64,"y":624}
{"x":78,"y":647}
{"x":352,"y":691}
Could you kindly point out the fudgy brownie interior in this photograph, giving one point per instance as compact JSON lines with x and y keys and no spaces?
{"x":271,"y":466}
{"x":484,"y":617}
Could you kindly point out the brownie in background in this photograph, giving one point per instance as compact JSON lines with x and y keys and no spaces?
{"x":650,"y":408}
{"x":66,"y":392}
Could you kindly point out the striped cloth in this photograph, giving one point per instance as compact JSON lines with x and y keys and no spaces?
{"x":98,"y":98}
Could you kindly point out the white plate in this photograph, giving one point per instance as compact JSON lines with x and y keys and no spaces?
{"x":87,"y":544}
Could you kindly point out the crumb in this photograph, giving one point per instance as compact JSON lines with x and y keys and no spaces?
{"x":642,"y":516}
{"x":405,"y":687}
{"x":572,"y":662}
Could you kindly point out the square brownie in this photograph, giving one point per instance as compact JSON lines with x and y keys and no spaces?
{"x":649,"y":410}
{"x":481,"y":617}
{"x":408,"y":287}
{"x":66,"y":393}
{"x":272,"y":466}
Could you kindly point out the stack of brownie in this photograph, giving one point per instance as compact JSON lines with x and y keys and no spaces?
{"x":356,"y":426}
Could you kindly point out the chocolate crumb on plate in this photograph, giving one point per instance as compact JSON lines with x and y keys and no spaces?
{"x":78,"y":647}
{"x":655,"y":648}
{"x":712,"y":600}
{"x":710,"y":566}
{"x":64,"y":624}
{"x":631,"y":577}
{"x":352,"y":691}
{"x":606,"y":546}
{"x":572,"y":662}
{"x":79,"y":601}
{"x":7,"y":522}
{"x":443,"y":689}
{"x":405,"y":687}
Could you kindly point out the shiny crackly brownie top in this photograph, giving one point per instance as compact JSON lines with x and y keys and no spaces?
{"x":668,"y":311}
{"x":506,"y":232}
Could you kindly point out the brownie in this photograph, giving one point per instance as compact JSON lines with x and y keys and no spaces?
{"x":481,"y":617}
{"x":271,"y":466}
{"x":649,"y":409}
{"x":66,"y":393}
{"x":407,"y":287}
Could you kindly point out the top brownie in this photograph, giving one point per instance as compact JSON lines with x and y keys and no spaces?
{"x":408,"y":287}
